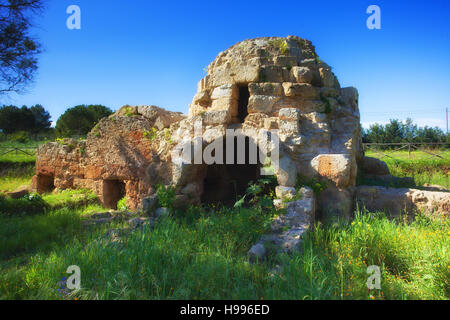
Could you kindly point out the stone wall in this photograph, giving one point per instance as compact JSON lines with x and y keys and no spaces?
{"x":257,"y":85}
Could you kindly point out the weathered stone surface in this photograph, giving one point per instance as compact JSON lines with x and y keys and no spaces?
{"x":159,"y":117}
{"x":399,"y":201}
{"x":217,"y":117}
{"x":285,"y":192}
{"x":19,"y":192}
{"x":302,"y":74}
{"x":139,"y":221}
{"x":287,"y":229}
{"x":286,"y":172}
{"x":374,"y":166}
{"x":267,"y":89}
{"x":261,"y":103}
{"x":257,"y":252}
{"x":328,"y":78}
{"x":149,"y":204}
{"x":202,"y":98}
{"x":334,"y":167}
{"x":335,"y":203}
{"x":289,"y":114}
{"x":301,"y":90}
{"x":229,"y":91}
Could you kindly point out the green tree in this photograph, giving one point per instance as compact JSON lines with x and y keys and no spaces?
{"x":41,"y":119}
{"x":409,"y":130}
{"x":429,"y":134}
{"x":79,"y":120}
{"x":13,"y":119}
{"x":18,"y":49}
{"x":394,"y":131}
{"x":376,"y":133}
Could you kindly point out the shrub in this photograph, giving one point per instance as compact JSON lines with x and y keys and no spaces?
{"x":166,"y":196}
{"x":314,"y":183}
{"x":122,"y":204}
{"x":20,"y":137}
{"x":151,"y":134}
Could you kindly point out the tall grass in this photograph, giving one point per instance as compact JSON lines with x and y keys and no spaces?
{"x":429,"y":171}
{"x":15,"y":174}
{"x":27,"y":233}
{"x":202,"y":255}
{"x":422,"y":168}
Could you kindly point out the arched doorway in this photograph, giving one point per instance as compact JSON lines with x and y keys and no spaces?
{"x":225,"y":183}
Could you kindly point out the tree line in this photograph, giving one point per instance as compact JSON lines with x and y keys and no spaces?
{"x":23,"y":123}
{"x":397,"y":131}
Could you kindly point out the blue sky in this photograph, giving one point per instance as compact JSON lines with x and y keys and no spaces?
{"x":154,"y":52}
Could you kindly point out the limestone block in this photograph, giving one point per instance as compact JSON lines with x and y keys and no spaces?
{"x":271,"y":74}
{"x":266,"y":88}
{"x":283,"y":192}
{"x":328,"y":78}
{"x":336,"y":203}
{"x":271,"y":123}
{"x":229,"y":91}
{"x":350,"y":97}
{"x":216,"y":117}
{"x":202,"y":98}
{"x":285,"y":61}
{"x":260,"y":103}
{"x":286,"y":172}
{"x":302,"y":90}
{"x":289,"y":128}
{"x":309,"y":63}
{"x":256,"y":119}
{"x":398,"y":201}
{"x":289,"y":114}
{"x":302,"y":74}
{"x":335,"y":167}
{"x":225,"y":104}
{"x":329,"y":92}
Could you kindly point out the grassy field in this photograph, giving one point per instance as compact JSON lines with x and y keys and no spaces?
{"x":201,"y":253}
{"x":16,"y":168}
{"x":421,"y":167}
{"x":24,"y":154}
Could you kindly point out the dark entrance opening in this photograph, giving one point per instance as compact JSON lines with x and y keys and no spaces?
{"x":45,"y":183}
{"x":113,"y":191}
{"x":244,"y":95}
{"x":226,"y":183}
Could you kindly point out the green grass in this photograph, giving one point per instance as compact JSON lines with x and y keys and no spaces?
{"x":26,"y":233}
{"x":36,"y":204}
{"x":70,"y":198}
{"x":424,"y":171}
{"x":18,"y":156}
{"x":415,"y":154}
{"x":15,"y":174}
{"x":202,"y":255}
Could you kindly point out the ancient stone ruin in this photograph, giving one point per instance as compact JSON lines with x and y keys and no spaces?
{"x":275,"y":92}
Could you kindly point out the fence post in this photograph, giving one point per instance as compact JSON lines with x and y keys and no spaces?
{"x":409,"y":151}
